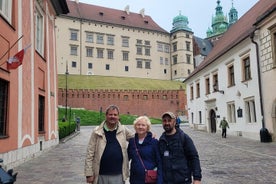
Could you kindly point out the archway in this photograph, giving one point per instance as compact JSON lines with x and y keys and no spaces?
{"x":213,"y":121}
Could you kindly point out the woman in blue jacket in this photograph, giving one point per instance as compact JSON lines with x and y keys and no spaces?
{"x":147,"y":147}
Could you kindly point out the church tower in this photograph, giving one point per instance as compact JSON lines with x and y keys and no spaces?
{"x":181,"y":48}
{"x":233,"y":15}
{"x":219,"y":23}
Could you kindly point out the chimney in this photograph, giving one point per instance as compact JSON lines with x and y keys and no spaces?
{"x":77,"y":1}
{"x":142,"y":12}
{"x":127,"y":9}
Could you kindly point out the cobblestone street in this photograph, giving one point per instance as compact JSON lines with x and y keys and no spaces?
{"x":234,"y":160}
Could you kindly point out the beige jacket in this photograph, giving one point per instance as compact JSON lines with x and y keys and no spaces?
{"x":96,"y":148}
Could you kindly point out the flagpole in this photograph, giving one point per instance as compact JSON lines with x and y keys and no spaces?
{"x":1,"y":63}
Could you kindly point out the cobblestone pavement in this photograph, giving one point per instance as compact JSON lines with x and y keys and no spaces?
{"x":234,"y":160}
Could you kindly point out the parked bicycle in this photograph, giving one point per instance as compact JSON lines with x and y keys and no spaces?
{"x":6,"y":177}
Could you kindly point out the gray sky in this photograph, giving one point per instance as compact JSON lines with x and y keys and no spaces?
{"x":199,"y":12}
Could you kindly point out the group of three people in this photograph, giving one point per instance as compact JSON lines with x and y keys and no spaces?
{"x":112,"y":145}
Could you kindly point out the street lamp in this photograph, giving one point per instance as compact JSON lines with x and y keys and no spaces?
{"x":66,"y":89}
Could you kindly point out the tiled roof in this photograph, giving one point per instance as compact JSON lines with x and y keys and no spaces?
{"x":111,"y":16}
{"x":236,"y":33}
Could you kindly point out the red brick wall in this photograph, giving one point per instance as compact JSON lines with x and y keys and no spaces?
{"x":135,"y":102}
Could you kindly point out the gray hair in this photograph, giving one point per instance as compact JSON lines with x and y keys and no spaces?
{"x":112,"y":107}
{"x":145,"y":118}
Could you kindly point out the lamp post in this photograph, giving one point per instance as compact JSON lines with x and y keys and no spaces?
{"x":66,"y":90}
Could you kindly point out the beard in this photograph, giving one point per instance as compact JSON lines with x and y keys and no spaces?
{"x":168,"y":128}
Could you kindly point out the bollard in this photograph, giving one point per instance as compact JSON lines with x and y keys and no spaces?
{"x":265,"y":135}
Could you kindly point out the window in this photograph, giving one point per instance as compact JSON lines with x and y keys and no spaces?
{"x":100,"y":39}
{"x":175,"y":72}
{"x":188,"y":57}
{"x":139,"y":64}
{"x":110,"y":40}
{"x":191,"y":92}
{"x":167,"y":48}
{"x":41,"y":114}
{"x":231,"y":75}
{"x":39,"y":31}
{"x":273,"y":40}
{"x":147,"y":64}
{"x":89,"y":37}
{"x":200,"y":117}
{"x":250,"y":111}
{"x":90,"y":65}
{"x":110,"y":54}
{"x":246,"y":69}
{"x":139,"y":42}
{"x":147,"y":51}
{"x":3,"y":107}
{"x":165,"y":71}
{"x":174,"y":47}
{"x":126,"y":68}
{"x":147,"y":42}
{"x":125,"y":56}
{"x":74,"y":50}
{"x":6,"y":10}
{"x":174,"y":60}
{"x":160,"y":47}
{"x":215,"y":82}
{"x":125,"y":42}
{"x":197,"y":90}
{"x":74,"y":64}
{"x":188,"y":46}
{"x":139,"y":50}
{"x":166,"y":61}
{"x":99,"y":53}
{"x":107,"y":67}
{"x":161,"y":61}
{"x":207,"y":85}
{"x":73,"y":34}
{"x":89,"y":51}
{"x":231,"y":112}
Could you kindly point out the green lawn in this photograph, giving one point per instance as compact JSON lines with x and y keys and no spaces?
{"x":105,"y":82}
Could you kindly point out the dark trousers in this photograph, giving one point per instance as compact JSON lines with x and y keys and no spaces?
{"x":223,"y":133}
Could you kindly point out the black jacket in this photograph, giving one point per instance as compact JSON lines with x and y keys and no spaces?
{"x":180,"y":158}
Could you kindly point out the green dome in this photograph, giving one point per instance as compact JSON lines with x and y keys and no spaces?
{"x":180,"y":22}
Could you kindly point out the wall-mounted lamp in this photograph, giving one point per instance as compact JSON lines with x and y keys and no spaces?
{"x":215,"y":87}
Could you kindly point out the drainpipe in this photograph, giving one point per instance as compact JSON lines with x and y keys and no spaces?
{"x":264,"y":134}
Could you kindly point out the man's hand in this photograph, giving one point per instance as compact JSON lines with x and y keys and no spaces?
{"x":89,"y":179}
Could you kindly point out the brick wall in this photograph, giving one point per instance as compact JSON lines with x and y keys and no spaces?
{"x":135,"y":102}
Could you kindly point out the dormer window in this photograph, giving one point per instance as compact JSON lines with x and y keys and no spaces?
{"x":146,"y":21}
{"x":123,"y":17}
{"x":101,"y":13}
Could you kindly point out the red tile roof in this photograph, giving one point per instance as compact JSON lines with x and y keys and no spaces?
{"x":237,"y":32}
{"x":112,"y":16}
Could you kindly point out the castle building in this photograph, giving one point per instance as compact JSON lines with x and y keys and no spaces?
{"x":95,"y":40}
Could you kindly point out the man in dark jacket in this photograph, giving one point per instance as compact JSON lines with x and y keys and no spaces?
{"x":179,"y":156}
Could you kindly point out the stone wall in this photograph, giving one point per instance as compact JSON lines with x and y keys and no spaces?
{"x":135,"y":102}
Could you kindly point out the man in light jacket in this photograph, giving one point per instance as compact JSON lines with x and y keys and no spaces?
{"x":106,"y":159}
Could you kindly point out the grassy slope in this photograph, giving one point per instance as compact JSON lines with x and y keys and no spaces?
{"x":104,"y":82}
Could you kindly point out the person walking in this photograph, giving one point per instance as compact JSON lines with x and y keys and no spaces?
{"x":106,"y":158}
{"x":180,"y":159}
{"x":143,"y":152}
{"x":224,"y":125}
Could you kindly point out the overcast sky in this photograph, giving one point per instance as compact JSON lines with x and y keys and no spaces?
{"x":198,"y":12}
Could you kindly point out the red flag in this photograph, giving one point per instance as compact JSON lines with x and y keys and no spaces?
{"x":16,"y":60}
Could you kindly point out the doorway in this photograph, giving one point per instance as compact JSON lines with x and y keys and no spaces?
{"x":213,"y":121}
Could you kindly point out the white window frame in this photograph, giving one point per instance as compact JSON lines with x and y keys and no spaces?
{"x":39,"y":46}
{"x":6,"y":9}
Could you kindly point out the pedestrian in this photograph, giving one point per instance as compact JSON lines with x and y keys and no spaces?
{"x":106,"y":159}
{"x":178,"y":121}
{"x":180,"y":159}
{"x":224,"y":125}
{"x":143,"y":152}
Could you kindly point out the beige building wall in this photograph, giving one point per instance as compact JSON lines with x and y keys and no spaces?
{"x":157,"y":64}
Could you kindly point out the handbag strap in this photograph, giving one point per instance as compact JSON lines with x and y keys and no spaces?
{"x":137,"y":151}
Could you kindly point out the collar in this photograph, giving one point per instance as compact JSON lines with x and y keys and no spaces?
{"x":108,"y":129}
